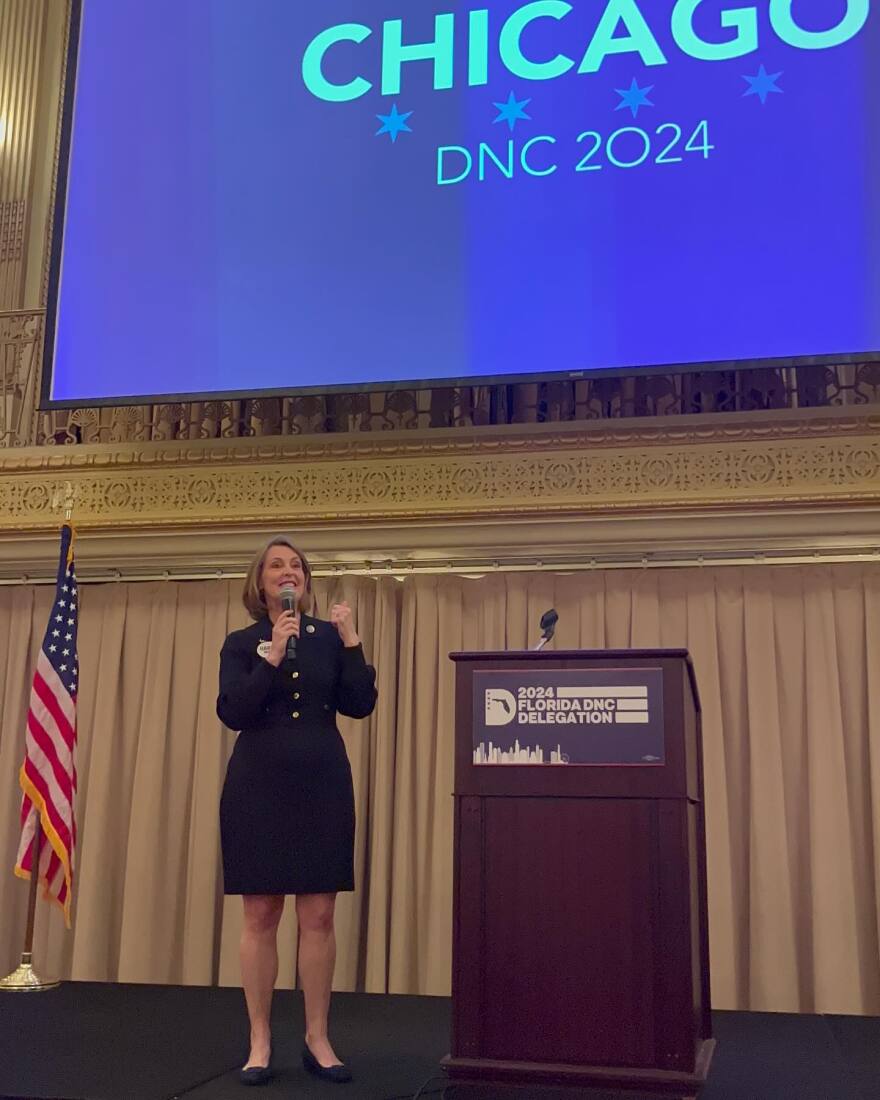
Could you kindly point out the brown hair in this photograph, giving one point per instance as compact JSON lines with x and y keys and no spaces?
{"x":252,"y":597}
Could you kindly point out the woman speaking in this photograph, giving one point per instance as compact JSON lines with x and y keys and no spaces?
{"x":287,"y":809}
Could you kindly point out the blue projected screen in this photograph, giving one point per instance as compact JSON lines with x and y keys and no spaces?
{"x":281,"y":195}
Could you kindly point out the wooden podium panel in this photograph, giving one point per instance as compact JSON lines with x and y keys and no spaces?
{"x":580,"y":952}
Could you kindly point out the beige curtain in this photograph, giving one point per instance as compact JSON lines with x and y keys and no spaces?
{"x":787,"y":660}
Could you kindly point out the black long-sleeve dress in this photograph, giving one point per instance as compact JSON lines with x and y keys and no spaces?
{"x":287,"y":809}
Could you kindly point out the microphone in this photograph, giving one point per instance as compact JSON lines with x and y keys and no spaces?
{"x":548,"y":624}
{"x":289,"y":600}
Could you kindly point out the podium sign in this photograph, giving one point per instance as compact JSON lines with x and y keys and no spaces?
{"x":568,"y":716}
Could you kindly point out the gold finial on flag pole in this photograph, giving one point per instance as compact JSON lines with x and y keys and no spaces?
{"x":69,"y":498}
{"x":65,"y":500}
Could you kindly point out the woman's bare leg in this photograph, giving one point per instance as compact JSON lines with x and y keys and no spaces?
{"x":258,"y":952}
{"x":317,"y":958}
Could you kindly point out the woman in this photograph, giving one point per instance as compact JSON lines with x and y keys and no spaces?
{"x":287,"y":810}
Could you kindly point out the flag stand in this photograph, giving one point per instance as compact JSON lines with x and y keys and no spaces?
{"x":24,"y":979}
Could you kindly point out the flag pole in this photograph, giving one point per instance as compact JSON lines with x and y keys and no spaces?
{"x":24,"y":979}
{"x":34,"y":883}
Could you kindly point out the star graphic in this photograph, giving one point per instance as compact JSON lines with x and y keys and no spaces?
{"x":512,"y":111}
{"x":393,"y":123}
{"x":634,"y":97}
{"x":762,"y":84}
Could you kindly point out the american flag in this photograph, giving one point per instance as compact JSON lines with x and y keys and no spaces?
{"x":48,"y":775}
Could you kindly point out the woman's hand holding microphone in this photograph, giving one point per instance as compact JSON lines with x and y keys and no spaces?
{"x":287,"y":625}
{"x":284,"y":627}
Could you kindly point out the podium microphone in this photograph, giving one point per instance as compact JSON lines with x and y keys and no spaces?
{"x":548,"y":624}
{"x":289,"y":601}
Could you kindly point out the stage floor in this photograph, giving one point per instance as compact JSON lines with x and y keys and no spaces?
{"x":88,"y":1041}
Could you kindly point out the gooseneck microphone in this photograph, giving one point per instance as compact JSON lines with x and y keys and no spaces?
{"x":548,"y":625}
{"x":289,"y":601}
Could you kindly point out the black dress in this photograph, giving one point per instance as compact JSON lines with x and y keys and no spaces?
{"x":287,"y":809}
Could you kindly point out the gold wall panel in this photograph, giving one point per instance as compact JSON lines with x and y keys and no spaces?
{"x":22,"y":38}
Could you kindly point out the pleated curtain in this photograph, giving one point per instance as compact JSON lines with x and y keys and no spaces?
{"x":787,"y":660}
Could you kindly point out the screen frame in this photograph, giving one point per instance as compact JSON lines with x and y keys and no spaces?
{"x":53,"y":285}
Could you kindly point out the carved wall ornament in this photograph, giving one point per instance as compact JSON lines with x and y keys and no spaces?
{"x":491,"y":471}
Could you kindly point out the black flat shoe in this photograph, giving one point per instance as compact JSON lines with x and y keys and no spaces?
{"x":338,"y":1074}
{"x":256,"y":1075}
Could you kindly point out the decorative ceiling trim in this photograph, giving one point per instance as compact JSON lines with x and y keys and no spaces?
{"x":539,"y":470}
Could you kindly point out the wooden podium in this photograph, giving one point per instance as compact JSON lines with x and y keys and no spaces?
{"x":580,"y":946}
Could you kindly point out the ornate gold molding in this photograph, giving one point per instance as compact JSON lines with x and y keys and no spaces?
{"x":830,"y":458}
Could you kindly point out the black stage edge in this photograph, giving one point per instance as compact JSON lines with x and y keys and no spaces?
{"x":88,"y":1041}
